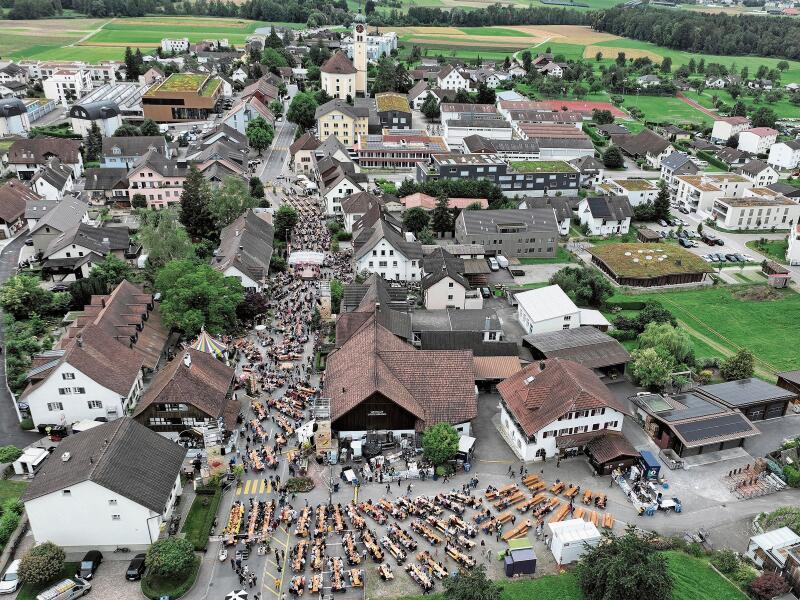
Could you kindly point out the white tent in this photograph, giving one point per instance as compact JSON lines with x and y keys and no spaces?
{"x":569,"y":539}
{"x":306,"y":257}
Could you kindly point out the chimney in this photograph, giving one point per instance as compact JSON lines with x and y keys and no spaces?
{"x":487,"y":324}
{"x":66,"y":456}
{"x":377,"y":307}
{"x":187,"y":360}
{"x":79,"y":340}
{"x":542,"y":365}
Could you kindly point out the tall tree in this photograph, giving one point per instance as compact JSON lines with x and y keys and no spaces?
{"x":739,"y":366}
{"x":661,"y":203}
{"x":301,"y":110}
{"x":149,"y":127}
{"x":163,"y":240}
{"x":131,"y":66}
{"x":472,"y":584}
{"x":415,"y":219}
{"x":612,"y":158}
{"x":94,"y":143}
{"x":111,"y":271}
{"x":442,"y":221}
{"x":285,"y":220}
{"x":430,"y":107}
{"x":229,"y":201}
{"x":195,"y":214}
{"x":260,"y":134}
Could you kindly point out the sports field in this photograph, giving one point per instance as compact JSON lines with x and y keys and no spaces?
{"x":94,"y":40}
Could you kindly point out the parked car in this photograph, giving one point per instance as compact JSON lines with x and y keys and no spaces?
{"x":714,"y":257}
{"x":682,"y":234}
{"x":684,"y":243}
{"x":135,"y":568}
{"x":732,"y":257}
{"x":662,"y":233}
{"x":684,"y":210}
{"x":486,"y":292}
{"x":493,"y":264}
{"x":89,"y":564}
{"x":502,"y":261}
{"x":661,"y":222}
{"x":10,"y":580}
{"x":29,"y":241}
{"x":740,"y":257}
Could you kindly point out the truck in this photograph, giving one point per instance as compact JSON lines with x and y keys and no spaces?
{"x":67,"y":589}
{"x":502,"y":261}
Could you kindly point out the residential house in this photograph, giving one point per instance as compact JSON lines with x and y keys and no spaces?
{"x":677,"y":163}
{"x":107,"y":186}
{"x":564,"y":207}
{"x":646,"y":145}
{"x":244,"y":111}
{"x":347,"y":123}
{"x":727,"y":127}
{"x":387,"y":250}
{"x":53,"y":180}
{"x":13,"y":72}
{"x":245,"y":249}
{"x":757,"y":140}
{"x":777,"y":551}
{"x":14,"y":89}
{"x":14,"y":118}
{"x":338,"y":76}
{"x":647,"y":81}
{"x":343,"y":183}
{"x":393,"y":110}
{"x":301,"y":153}
{"x":450,"y":78}
{"x":158,"y":179}
{"x":698,"y":192}
{"x":192,"y":390}
{"x":67,"y":85}
{"x":550,"y":309}
{"x":418,"y":94}
{"x":25,"y":157}
{"x":444,"y":285}
{"x":675,"y":134}
{"x":785,"y":189}
{"x":35,"y":209}
{"x":115,"y":485}
{"x":732,"y":157}
{"x":73,"y":254}
{"x":592,"y":170}
{"x":638,"y":191}
{"x":756,"y":212}
{"x":531,"y":233}
{"x":760,"y":84}
{"x":265,"y":90}
{"x":793,"y":247}
{"x":175,"y":46}
{"x":553,"y":69}
{"x":606,"y":215}
{"x":785,"y":155}
{"x":96,"y":368}
{"x":106,"y":115}
{"x":14,"y":199}
{"x":554,"y":406}
{"x":65,"y":215}
{"x":759,"y":172}
{"x":356,"y":206}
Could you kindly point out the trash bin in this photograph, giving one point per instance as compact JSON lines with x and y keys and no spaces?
{"x":335,"y":486}
{"x":467,"y":467}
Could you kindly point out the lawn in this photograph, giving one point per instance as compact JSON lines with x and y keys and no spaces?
{"x":156,"y":587}
{"x":542,"y":166}
{"x":29,"y":592}
{"x":200,"y":519}
{"x":713,"y":314}
{"x":562,"y":256}
{"x":666,"y":109}
{"x":783,"y":108}
{"x":774,"y":249}
{"x":696,"y":580}
{"x":11,"y":490}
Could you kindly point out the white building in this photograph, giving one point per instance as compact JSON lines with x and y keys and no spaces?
{"x":390,"y":253}
{"x":571,"y":538}
{"x":698,"y":192}
{"x":110,"y":486}
{"x":244,"y":111}
{"x":53,"y":180}
{"x":550,"y":309}
{"x":756,"y":212}
{"x":378,"y":45}
{"x":785,"y":155}
{"x":638,"y":191}
{"x":339,"y":189}
{"x":356,"y":206}
{"x":450,"y":78}
{"x":606,"y":215}
{"x":793,"y":250}
{"x":67,"y":85}
{"x":757,"y":140}
{"x":444,"y":285}
{"x":759,"y":172}
{"x":555,"y":405}
{"x":771,"y":547}
{"x":178,"y":46}
{"x":455,"y":130}
{"x":13,"y":117}
{"x":729,"y":126}
{"x":106,"y":115}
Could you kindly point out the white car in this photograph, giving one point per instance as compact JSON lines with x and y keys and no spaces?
{"x":493,"y":264}
{"x":10,"y":581}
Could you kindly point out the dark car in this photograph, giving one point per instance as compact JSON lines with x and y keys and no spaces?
{"x":89,"y":564}
{"x":135,"y":568}
{"x":684,"y":242}
{"x":485,"y":292}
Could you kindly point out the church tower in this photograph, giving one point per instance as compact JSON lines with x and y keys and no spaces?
{"x":360,"y":54}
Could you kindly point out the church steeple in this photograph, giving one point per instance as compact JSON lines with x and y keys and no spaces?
{"x":360,"y":53}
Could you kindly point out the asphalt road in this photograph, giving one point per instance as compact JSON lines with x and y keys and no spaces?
{"x":276,"y":158}
{"x":10,"y":432}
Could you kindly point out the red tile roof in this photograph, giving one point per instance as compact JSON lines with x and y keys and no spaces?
{"x":537,"y":397}
{"x":338,"y":64}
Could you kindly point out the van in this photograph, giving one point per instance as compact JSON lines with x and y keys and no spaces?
{"x":68,"y":589}
{"x":493,"y":264}
{"x":502,"y":261}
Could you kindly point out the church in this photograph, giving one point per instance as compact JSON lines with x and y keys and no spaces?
{"x":343,"y":78}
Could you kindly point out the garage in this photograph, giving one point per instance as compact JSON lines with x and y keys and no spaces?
{"x":756,"y":399}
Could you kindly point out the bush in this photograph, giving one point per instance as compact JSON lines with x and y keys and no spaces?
{"x":299,"y":485}
{"x":768,"y":586}
{"x":170,"y":558}
{"x":792,"y":476}
{"x":26,"y":423}
{"x":154,"y":587}
{"x":9,"y":454}
{"x":623,"y":335}
{"x":744,"y":575}
{"x":8,"y":523}
{"x":726,"y":561}
{"x":344,"y":236}
{"x":696,"y":550}
{"x":200,"y":519}
{"x":710,"y":362}
{"x":41,"y":564}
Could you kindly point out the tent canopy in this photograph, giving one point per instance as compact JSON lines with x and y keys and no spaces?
{"x":306,"y":257}
{"x":206,"y":343}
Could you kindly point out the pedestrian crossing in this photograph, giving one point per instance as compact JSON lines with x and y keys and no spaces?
{"x":254,"y":487}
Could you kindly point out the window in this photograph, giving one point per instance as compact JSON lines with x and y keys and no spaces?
{"x":450,"y":296}
{"x":95,"y":404}
{"x":115,"y":517}
{"x":66,"y":492}
{"x":54,"y":406}
{"x":450,"y":284}
{"x":68,"y":376}
{"x":112,"y":502}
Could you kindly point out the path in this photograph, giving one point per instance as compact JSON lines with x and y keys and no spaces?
{"x":91,"y":33}
{"x":697,"y":106}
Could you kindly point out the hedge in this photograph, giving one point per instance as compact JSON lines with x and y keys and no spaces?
{"x":713,"y":160}
{"x":792,"y":476}
{"x":626,"y":304}
{"x":154,"y":588}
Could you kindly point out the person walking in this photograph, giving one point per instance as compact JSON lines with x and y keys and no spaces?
{"x":233,"y":564}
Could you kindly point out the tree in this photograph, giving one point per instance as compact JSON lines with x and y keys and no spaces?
{"x":138,"y":201}
{"x":738,"y":366}
{"x":661,"y":203}
{"x":588,"y":287}
{"x":254,"y":305}
{"x":21,"y":296}
{"x":430,"y":107}
{"x":739,"y":109}
{"x":195,"y":295}
{"x":337,"y":293}
{"x":285,"y":220}
{"x":111,"y":271}
{"x":602,"y":117}
{"x":627,"y":567}
{"x":675,"y":341}
{"x":170,"y":558}
{"x":472,"y":584}
{"x":256,"y":188}
{"x":580,"y":91}
{"x":126,"y":130}
{"x":163,"y":240}
{"x":442,"y":221}
{"x":195,"y":199}
{"x":653,"y":312}
{"x":301,"y":110}
{"x":763,"y":117}
{"x":385,"y":76}
{"x":94,"y":143}
{"x":769,"y":585}
{"x":613,"y":159}
{"x":782,"y":65}
{"x":440,"y":443}
{"x":651,"y":368}
{"x":486,"y":95}
{"x":415,"y":219}
{"x":229,"y":201}
{"x":462,"y":97}
{"x":276,"y":108}
{"x":259,"y":134}
{"x":41,"y":564}
{"x":131,"y":65}
{"x":620,"y":60}
{"x":149,"y":127}
{"x":666,"y":65}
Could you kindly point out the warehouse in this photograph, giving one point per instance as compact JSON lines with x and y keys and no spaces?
{"x":587,"y":346}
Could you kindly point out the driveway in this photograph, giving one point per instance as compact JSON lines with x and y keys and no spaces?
{"x":10,"y":431}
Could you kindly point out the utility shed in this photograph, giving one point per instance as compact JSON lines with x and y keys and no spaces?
{"x":570,"y":538}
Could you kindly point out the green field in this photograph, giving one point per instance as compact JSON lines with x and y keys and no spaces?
{"x":11,"y":490}
{"x":723,"y":324}
{"x":783,"y":108}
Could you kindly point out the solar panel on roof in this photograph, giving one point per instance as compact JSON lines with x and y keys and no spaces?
{"x":712,"y":428}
